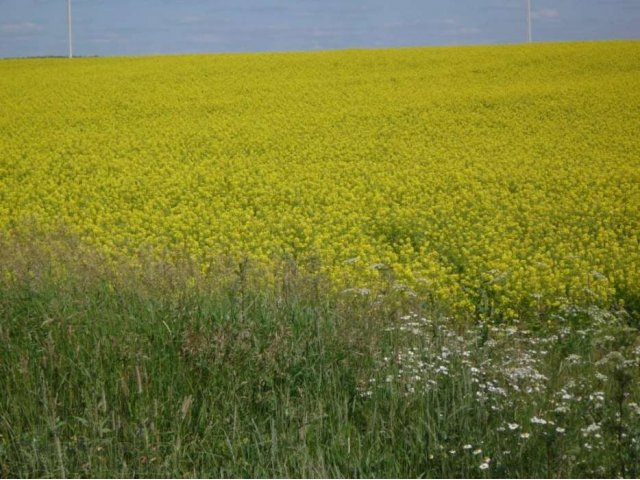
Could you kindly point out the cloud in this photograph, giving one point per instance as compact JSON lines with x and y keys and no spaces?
{"x":546,"y":14}
{"x":208,"y":38}
{"x":191,"y":20}
{"x":462,"y":31}
{"x":448,"y":21}
{"x":505,"y":5}
{"x":467,"y":30}
{"x":108,"y":38}
{"x":19,"y":29}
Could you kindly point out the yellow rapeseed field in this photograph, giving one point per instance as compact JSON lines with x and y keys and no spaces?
{"x":508,"y":175}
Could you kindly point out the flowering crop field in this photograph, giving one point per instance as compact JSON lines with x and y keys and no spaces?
{"x":409,"y":263}
{"x":502,"y":176}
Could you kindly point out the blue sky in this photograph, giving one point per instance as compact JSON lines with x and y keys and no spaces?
{"x":138,"y":27}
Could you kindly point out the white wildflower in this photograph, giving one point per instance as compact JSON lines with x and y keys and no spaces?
{"x":594,"y":427}
{"x":573,"y":358}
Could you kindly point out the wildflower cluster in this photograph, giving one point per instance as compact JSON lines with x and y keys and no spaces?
{"x":555,"y":392}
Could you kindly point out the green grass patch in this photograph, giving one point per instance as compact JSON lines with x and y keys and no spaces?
{"x":104,"y":378}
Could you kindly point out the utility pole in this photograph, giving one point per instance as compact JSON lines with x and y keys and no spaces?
{"x":529,"y":36}
{"x":69,"y":28}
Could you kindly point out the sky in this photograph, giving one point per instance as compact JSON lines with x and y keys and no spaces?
{"x":142,"y":27}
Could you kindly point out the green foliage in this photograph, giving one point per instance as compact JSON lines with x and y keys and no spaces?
{"x":101,"y":381}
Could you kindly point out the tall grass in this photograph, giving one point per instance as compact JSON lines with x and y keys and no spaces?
{"x":153,"y":374}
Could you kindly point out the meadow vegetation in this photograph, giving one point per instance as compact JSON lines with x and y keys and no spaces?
{"x":158,"y":372}
{"x":390,"y":263}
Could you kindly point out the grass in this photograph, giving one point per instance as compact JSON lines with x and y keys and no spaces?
{"x":104,"y":376}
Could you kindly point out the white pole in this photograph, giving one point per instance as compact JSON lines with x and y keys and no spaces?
{"x":69,"y":28}
{"x":529,"y":36}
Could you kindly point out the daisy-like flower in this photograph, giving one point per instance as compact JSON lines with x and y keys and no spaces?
{"x":539,"y":421}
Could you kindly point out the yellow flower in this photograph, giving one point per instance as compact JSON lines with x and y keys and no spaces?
{"x":501,"y":179}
